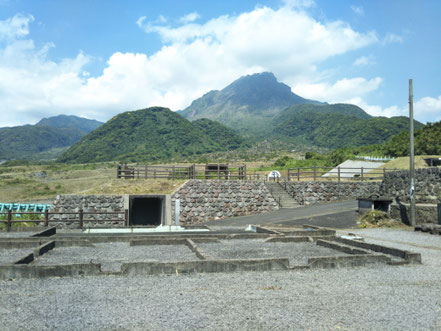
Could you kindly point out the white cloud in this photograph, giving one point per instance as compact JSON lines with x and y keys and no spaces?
{"x":341,"y":91}
{"x":392,"y":38}
{"x":426,"y":109}
{"x":358,"y":10}
{"x":15,"y":27}
{"x":189,"y":17}
{"x":364,"y":61}
{"x":195,"y":58}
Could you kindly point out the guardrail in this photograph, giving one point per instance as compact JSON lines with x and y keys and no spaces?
{"x":81,"y":219}
{"x":340,"y":173}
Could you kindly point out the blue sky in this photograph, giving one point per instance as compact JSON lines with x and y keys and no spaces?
{"x":98,"y":58}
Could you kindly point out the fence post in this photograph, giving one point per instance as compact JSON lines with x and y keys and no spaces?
{"x":384,"y":172}
{"x":46,"y":218}
{"x":126,"y":217}
{"x":338,"y":174}
{"x":81,"y":219}
{"x":361,"y":173}
{"x":146,"y":169}
{"x":118,"y":171}
{"x":298,"y":174}
{"x":9,"y":224}
{"x":315,"y":172}
{"x":173,"y":173}
{"x":218,"y":171}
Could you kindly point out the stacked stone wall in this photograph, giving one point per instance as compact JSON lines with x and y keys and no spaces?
{"x":306,"y":193}
{"x":88,"y":203}
{"x":427,"y":185}
{"x":209,"y":200}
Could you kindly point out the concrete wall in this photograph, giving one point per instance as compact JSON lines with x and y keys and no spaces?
{"x":209,"y":200}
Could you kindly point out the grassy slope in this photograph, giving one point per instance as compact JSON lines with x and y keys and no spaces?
{"x":20,"y":184}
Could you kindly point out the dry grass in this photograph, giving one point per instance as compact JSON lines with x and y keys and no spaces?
{"x":23,"y":183}
{"x":378,"y":219}
{"x":135,"y":186}
{"x":403,"y":163}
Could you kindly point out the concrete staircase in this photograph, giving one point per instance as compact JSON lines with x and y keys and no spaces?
{"x":281,"y":196}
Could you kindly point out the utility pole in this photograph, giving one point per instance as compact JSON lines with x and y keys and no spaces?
{"x":412,"y":158}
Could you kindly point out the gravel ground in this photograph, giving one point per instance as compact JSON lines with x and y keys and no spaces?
{"x":364,"y":298}
{"x":297,"y":253}
{"x":112,"y":255}
{"x":12,"y":255}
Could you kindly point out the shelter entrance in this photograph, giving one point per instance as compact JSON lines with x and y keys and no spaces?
{"x":146,"y":210}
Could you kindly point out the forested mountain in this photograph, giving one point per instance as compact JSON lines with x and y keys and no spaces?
{"x":247,"y":105}
{"x":48,"y":136}
{"x":261,"y":108}
{"x":151,"y":134}
{"x":335,"y":126}
{"x":427,"y":141}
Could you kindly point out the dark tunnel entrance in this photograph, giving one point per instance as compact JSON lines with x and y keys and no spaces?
{"x":146,"y":210}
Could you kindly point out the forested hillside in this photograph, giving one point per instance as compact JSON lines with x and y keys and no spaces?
{"x":151,"y":134}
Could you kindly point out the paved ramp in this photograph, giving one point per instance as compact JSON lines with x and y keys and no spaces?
{"x":335,"y":215}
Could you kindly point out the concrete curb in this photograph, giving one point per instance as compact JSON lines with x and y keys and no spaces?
{"x":341,"y":247}
{"x":43,"y":271}
{"x":287,"y":239}
{"x":195,"y":249}
{"x":408,"y":256}
{"x":347,"y":261}
{"x":204,"y":266}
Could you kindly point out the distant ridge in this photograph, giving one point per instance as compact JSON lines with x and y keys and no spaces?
{"x":46,"y":139}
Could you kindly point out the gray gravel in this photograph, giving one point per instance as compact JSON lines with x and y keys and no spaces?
{"x":297,"y":253}
{"x":365,"y":298}
{"x":113,"y":255}
{"x":12,"y":255}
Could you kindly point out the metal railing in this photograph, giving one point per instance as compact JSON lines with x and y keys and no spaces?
{"x":78,"y":217}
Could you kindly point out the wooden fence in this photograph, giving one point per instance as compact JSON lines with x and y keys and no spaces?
{"x":207,"y":171}
{"x":340,"y":173}
{"x":80,"y":217}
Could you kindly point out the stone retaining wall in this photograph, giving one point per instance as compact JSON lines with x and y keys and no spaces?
{"x":89,"y":203}
{"x":306,"y":193}
{"x":427,"y":185}
{"x":209,"y":200}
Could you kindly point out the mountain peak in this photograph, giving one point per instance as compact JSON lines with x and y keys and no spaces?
{"x":261,"y":91}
